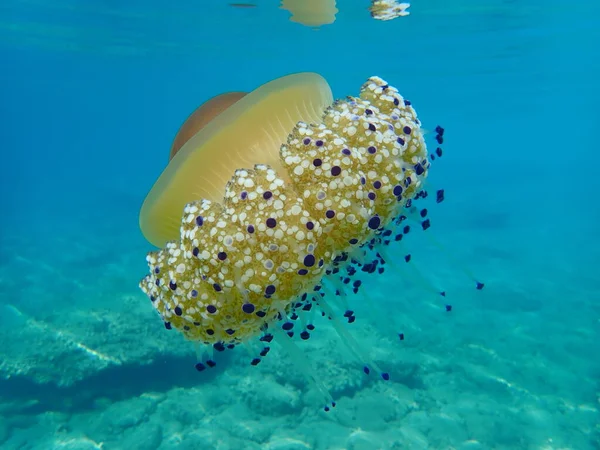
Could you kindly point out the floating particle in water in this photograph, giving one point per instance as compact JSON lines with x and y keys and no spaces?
{"x":243,"y":5}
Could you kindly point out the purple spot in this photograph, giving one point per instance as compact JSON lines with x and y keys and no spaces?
{"x":199,"y":221}
{"x":335,"y":171}
{"x":310,"y":225}
{"x":178,"y":311}
{"x":211,"y":309}
{"x":271,"y":223}
{"x":244,"y":195}
{"x":374,"y":222}
{"x":439,"y":196}
{"x":309,"y":260}
{"x":250,"y":229}
{"x":406,"y":130}
{"x":248,"y":308}
{"x":306,"y":141}
{"x":222,"y":256}
{"x":319,"y":143}
{"x":317,"y":162}
{"x":346,"y":152}
{"x":270,"y":290}
{"x":267,"y":195}
{"x":372,"y":150}
{"x":330,"y":214}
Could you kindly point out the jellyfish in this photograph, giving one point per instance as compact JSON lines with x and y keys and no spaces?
{"x":276,"y":207}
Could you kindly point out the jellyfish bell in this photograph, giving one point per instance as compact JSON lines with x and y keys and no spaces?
{"x":244,"y":130}
{"x":311,"y":13}
{"x":201,"y":117}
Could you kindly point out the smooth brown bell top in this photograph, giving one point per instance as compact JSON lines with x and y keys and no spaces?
{"x":202,"y":116}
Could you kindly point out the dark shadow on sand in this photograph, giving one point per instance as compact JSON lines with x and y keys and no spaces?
{"x":114,"y":384}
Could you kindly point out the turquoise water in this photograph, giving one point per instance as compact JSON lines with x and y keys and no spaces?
{"x":91,"y":97}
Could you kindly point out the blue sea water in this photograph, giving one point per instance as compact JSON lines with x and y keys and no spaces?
{"x":91,"y":96}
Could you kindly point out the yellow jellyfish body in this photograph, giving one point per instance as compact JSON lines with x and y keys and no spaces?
{"x":251,"y":130}
{"x":312,"y":13}
{"x":270,"y":209}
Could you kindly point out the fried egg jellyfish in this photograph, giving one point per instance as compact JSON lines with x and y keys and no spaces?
{"x":319,"y":190}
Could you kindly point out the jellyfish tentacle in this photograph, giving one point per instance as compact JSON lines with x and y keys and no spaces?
{"x":349,"y":340}
{"x":302,"y":364}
